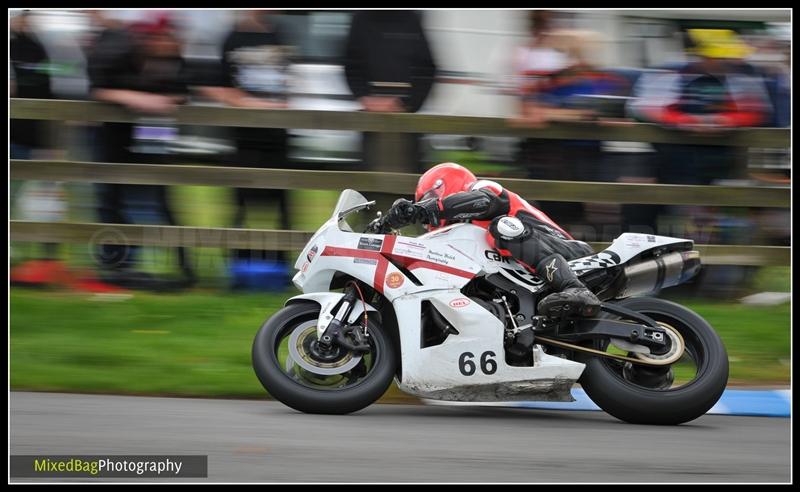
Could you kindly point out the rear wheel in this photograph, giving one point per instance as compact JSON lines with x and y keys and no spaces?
{"x":296,"y":370}
{"x":668,"y":395}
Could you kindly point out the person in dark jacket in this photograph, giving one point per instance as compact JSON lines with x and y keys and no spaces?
{"x":716,"y":90}
{"x":389,"y":68}
{"x":253,"y":73}
{"x":139,"y":67}
{"x":31,"y":79}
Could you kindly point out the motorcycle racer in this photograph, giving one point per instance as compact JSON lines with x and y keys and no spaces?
{"x":450,"y":193}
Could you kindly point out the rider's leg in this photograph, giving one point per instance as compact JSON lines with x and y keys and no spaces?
{"x":542,"y":250}
{"x":571,"y":297}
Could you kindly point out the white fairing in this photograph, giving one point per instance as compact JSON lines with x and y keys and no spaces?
{"x":470,"y":365}
{"x":436,"y":372}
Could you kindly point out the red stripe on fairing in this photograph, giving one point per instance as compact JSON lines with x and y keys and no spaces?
{"x":442,"y":268}
{"x":383,"y":263}
{"x":350,"y":252}
{"x":380,"y":274}
{"x":388,"y":243}
{"x":380,"y":268}
{"x":414,"y":263}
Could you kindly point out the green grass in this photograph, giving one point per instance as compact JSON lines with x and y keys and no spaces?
{"x":198,"y":344}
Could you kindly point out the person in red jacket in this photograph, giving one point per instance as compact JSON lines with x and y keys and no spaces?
{"x":450,"y":193}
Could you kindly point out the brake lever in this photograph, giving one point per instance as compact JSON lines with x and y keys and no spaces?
{"x":377,"y":225}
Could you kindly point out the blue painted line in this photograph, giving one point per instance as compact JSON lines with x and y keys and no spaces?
{"x":762,"y":403}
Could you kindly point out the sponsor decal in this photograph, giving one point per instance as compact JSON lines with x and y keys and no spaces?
{"x":394,"y":280}
{"x":494,"y":256}
{"x":305,"y":267}
{"x":370,"y":243}
{"x":651,"y":239}
{"x":440,"y":258}
{"x":410,"y":248}
{"x":365,"y":261}
{"x":509,"y":223}
{"x":460,"y":302}
{"x":312,"y":253}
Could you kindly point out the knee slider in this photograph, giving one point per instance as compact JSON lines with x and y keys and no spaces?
{"x":508,"y":228}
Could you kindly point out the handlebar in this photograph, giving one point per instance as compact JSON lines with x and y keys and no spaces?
{"x":378,"y":226}
{"x":381,"y":225}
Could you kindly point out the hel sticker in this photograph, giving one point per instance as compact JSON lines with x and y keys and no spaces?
{"x":394,"y":280}
{"x":370,"y":243}
{"x":459,"y":303}
{"x":305,"y":267}
{"x":365,"y":261}
{"x":312,"y":253}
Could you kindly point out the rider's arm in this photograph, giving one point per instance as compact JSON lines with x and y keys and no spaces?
{"x":485,"y":201}
{"x":482,"y":204}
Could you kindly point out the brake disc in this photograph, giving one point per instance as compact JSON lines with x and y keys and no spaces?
{"x":303,"y":358}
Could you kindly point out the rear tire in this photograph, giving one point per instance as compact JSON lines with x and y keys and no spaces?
{"x":282,"y":387}
{"x":637,"y":404}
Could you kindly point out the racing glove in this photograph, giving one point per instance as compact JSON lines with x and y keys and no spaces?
{"x":404,"y":212}
{"x":401,"y":214}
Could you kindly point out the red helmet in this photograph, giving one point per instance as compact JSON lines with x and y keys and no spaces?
{"x":443,"y":180}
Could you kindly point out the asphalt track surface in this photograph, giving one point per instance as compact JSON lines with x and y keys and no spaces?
{"x":264,"y":441}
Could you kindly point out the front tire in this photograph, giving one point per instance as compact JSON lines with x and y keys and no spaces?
{"x":284,"y":385}
{"x":610,"y":386}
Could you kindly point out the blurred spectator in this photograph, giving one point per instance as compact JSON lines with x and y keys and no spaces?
{"x":30,"y":72}
{"x":716,"y":91}
{"x":389,"y":68}
{"x":254,"y":74}
{"x":139,"y":67}
{"x":30,"y":139}
{"x":558,"y":82}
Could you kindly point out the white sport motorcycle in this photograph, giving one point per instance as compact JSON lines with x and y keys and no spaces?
{"x":450,"y":318}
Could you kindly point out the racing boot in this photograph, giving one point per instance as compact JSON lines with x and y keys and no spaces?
{"x":571,"y":298}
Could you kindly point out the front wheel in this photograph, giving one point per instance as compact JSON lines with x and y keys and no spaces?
{"x":295,"y":370}
{"x":670,"y":395}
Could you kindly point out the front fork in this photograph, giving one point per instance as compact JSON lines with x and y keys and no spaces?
{"x":337,"y":330}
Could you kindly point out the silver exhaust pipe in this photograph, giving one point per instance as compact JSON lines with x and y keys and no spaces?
{"x":657,"y":273}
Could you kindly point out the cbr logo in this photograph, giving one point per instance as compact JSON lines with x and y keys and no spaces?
{"x":495,"y":256}
{"x":394,"y":280}
{"x":312,"y":253}
{"x":459,"y":303}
